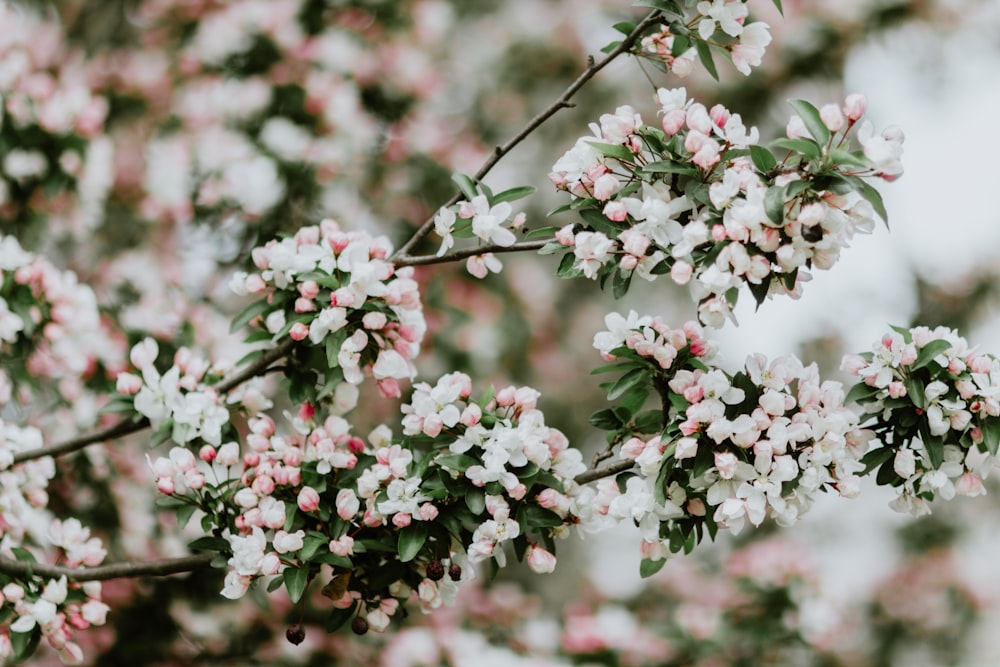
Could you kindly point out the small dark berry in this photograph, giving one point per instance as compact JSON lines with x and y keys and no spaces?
{"x":435,"y":570}
{"x":359,"y":625}
{"x":295,"y":633}
{"x":455,"y":572}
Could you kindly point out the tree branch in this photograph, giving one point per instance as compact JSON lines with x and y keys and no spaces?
{"x":561,"y":102}
{"x":156,"y":568}
{"x":127,"y":427}
{"x":604,"y":471}
{"x":455,"y":255}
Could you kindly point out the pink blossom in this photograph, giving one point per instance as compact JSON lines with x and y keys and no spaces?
{"x":539,"y":560}
{"x":308,"y":500}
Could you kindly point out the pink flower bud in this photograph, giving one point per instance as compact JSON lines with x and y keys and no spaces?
{"x":854,"y":106}
{"x":565,"y":236}
{"x":343,"y":546}
{"x":270,"y":564}
{"x":308,"y":500}
{"x":255,"y":284}
{"x":144,"y":353}
{"x":128,"y":384}
{"x":299,"y":331}
{"x":970,"y":484}
{"x":719,"y":115}
{"x":432,"y":425}
{"x":629,"y":262}
{"x":681,"y":272}
{"x":427,"y":512}
{"x":673,"y":121}
{"x":347,"y":504}
{"x":401,"y":520}
{"x":471,"y":415}
{"x":165,"y":485}
{"x":696,"y":507}
{"x":303,"y":305}
{"x":505,"y":396}
{"x":308,"y":289}
{"x":615,"y":211}
{"x":539,"y":560}
{"x":726,"y":463}
{"x":207,"y":453}
{"x":832,"y":117}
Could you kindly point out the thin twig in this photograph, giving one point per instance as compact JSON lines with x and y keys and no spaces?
{"x":455,"y":255}
{"x":603,"y":471}
{"x":128,"y":426}
{"x":561,"y":102}
{"x":156,"y":568}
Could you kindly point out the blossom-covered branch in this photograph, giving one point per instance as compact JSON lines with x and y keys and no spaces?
{"x":562,"y":102}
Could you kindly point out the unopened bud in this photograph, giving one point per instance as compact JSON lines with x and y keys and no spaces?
{"x":455,"y":572}
{"x":295,"y":633}
{"x":435,"y":570}
{"x":359,"y":625}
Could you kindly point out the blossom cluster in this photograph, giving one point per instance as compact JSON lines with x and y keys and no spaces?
{"x":50,"y":327}
{"x":58,"y":162}
{"x":700,"y":199}
{"x":723,"y":449}
{"x":339,"y":291}
{"x":36,"y":607}
{"x":934,"y":403}
{"x":720,"y":24}
{"x":484,"y":215}
{"x":393,"y":518}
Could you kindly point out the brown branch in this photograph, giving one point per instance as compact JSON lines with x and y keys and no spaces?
{"x":455,"y":255}
{"x":126,"y":427}
{"x":156,"y":568}
{"x":604,"y":471}
{"x":561,"y":102}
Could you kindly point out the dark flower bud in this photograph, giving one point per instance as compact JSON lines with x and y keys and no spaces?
{"x":455,"y":572}
{"x":359,"y":625}
{"x":435,"y":570}
{"x":295,"y":633}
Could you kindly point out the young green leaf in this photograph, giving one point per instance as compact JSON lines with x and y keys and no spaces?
{"x":810,"y":116}
{"x":411,"y":539}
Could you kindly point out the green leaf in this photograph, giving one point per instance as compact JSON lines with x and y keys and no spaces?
{"x":841,"y":156}
{"x":705,"y":55}
{"x":296,"y":579}
{"x":539,"y":517}
{"x":934,"y":444}
{"x":667,"y":6}
{"x":513,"y":194}
{"x":625,"y":27}
{"x":338,"y":618}
{"x":25,"y":643}
{"x":313,"y":542}
{"x":411,"y":539}
{"x":630,"y":380}
{"x":209,"y":543}
{"x":541,"y":232}
{"x":599,"y":222}
{"x":459,"y":462}
{"x":606,"y":420}
{"x":915,"y":390}
{"x":991,"y":433}
{"x":669,"y":167}
{"x":774,"y":204}
{"x":777,"y":3}
{"x":876,"y":457}
{"x":762,"y":158}
{"x":566,"y":269}
{"x":465,"y":185}
{"x":475,"y":500}
{"x":860,"y":393}
{"x":806,"y":147}
{"x":874,"y":198}
{"x":253,"y":310}
{"x":616,"y":151}
{"x":928,"y":352}
{"x":810,"y":116}
{"x":648,"y":568}
{"x":23,"y":555}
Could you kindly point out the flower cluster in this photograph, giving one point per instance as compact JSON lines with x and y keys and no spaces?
{"x":934,"y":404}
{"x":338,"y":290}
{"x":35,"y":607}
{"x":57,"y":162}
{"x":392,"y":518}
{"x":484,"y":215}
{"x":54,"y":610}
{"x":700,"y":199}
{"x":50,"y":326}
{"x":723,"y":449}
{"x":721,"y":24}
{"x":179,"y":403}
